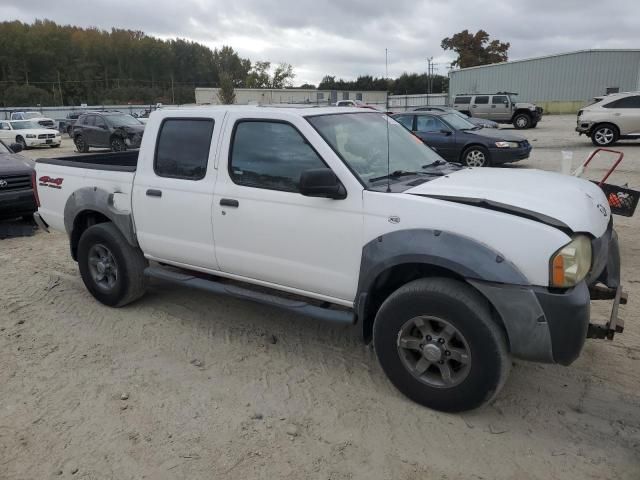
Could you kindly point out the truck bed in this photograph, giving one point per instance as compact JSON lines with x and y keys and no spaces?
{"x":116,"y":162}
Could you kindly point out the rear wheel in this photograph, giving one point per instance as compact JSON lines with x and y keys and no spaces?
{"x":111,"y":269}
{"x":438,"y":344}
{"x":476,"y":156}
{"x":604,"y":135}
{"x":522,"y":121}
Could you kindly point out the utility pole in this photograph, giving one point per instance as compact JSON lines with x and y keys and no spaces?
{"x":173,"y":95}
{"x":429,"y":82}
{"x":60,"y":88}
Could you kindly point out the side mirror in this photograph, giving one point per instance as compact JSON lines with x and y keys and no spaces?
{"x":16,"y":147}
{"x":321,"y":183}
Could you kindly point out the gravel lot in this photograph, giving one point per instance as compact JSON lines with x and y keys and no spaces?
{"x":187,"y":385}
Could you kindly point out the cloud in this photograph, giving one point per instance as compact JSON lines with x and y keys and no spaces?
{"x":348,"y":38}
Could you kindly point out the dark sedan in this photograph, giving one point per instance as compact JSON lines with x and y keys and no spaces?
{"x":16,"y":193}
{"x":480,"y":122}
{"x":457,"y":140}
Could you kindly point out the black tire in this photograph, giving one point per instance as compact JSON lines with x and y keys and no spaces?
{"x":129,"y":283}
{"x":522,"y":121}
{"x":457,"y":304}
{"x":55,"y":146}
{"x":21,"y":141}
{"x":28,"y":218}
{"x":81,"y":145}
{"x":604,"y":135}
{"x":475,"y":156}
{"x":117,"y":144}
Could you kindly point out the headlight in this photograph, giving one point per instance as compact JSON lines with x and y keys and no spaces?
{"x":57,"y":134}
{"x":507,"y":144}
{"x":571,"y":263}
{"x":30,"y":135}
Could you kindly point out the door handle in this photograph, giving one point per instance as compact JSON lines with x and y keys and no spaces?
{"x":229,"y":202}
{"x":473,"y":106}
{"x":154,"y":193}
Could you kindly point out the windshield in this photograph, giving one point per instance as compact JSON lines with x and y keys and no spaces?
{"x":360,"y":139}
{"x":457,"y":122}
{"x":25,"y":125}
{"x":122,"y":120}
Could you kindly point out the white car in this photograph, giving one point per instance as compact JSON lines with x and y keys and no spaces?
{"x":44,"y":122}
{"x":29,"y":134}
{"x":343,"y":215}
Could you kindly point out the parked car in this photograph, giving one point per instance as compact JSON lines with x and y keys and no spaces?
{"x":67,"y":124}
{"x":457,"y":140}
{"x":355,"y":103}
{"x":16,"y":189}
{"x":480,"y":122}
{"x":44,"y":122}
{"x":29,"y":134}
{"x":114,"y":130}
{"x":611,"y":118}
{"x":500,"y":107}
{"x":339,"y":213}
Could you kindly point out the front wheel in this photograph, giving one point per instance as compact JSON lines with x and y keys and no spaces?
{"x":111,"y":269}
{"x":81,"y":144}
{"x":118,"y":145}
{"x":476,"y":156}
{"x":22,"y":142}
{"x":604,"y":135}
{"x":522,"y":121}
{"x":437,"y":342}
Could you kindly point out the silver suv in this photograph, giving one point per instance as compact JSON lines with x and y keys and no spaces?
{"x":611,"y":118}
{"x":499,"y":107}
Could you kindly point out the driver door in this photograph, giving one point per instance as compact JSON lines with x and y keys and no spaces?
{"x":265,"y":229}
{"x":100,"y":133}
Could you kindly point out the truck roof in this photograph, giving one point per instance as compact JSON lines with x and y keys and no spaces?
{"x":302,"y":111}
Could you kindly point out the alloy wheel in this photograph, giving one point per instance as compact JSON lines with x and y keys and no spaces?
{"x":103,"y":267}
{"x":604,"y":136}
{"x":476,"y":158}
{"x":434,"y":351}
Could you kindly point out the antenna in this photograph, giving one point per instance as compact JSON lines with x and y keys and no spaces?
{"x":386,"y":119}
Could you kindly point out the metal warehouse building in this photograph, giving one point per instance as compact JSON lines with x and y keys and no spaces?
{"x":559,"y":83}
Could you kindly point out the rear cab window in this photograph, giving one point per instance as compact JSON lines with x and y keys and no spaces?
{"x":182,"y":148}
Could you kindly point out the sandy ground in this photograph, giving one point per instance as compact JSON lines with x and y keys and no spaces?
{"x":187,"y":385}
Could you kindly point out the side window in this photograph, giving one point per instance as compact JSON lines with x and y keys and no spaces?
{"x":270,"y":155}
{"x":627,"y":102}
{"x":4,"y":126}
{"x":99,"y":122}
{"x":499,"y":99}
{"x":405,"y":120}
{"x":427,"y":123}
{"x":462,"y":100}
{"x":482,"y":100}
{"x":182,"y":149}
{"x":90,"y":120}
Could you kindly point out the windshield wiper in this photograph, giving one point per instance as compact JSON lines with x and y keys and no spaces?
{"x":437,"y":163}
{"x":396,"y":174}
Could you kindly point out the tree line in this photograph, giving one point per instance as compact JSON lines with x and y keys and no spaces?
{"x":49,"y":64}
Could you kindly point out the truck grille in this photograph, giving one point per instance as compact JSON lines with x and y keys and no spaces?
{"x":17,"y":182}
{"x":46,"y":123}
{"x":47,"y":135}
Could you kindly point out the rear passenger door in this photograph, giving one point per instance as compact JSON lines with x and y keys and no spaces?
{"x":173,"y":189}
{"x":100,"y":132}
{"x":500,"y":108}
{"x":480,"y":106}
{"x":625,"y":113}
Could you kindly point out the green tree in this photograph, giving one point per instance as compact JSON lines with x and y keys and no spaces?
{"x":226,"y":94}
{"x":282,"y":76}
{"x":475,"y":49}
{"x":258,"y":77}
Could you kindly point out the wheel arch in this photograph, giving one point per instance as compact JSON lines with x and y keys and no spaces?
{"x":89,"y":206}
{"x":602,"y":124}
{"x":471,"y":144}
{"x":385,"y":268}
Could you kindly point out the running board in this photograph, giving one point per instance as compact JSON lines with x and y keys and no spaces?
{"x":342,"y":317}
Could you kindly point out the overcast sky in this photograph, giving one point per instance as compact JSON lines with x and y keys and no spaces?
{"x":348,"y":38}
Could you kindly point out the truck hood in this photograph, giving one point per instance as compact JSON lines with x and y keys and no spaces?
{"x":12,"y":163}
{"x":563,"y":201}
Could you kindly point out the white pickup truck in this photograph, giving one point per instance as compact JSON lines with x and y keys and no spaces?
{"x":450,"y":271}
